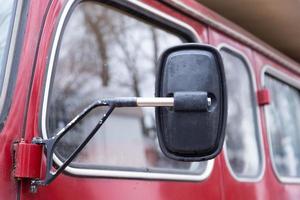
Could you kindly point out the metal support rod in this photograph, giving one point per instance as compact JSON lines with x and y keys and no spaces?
{"x":51,"y":143}
{"x":160,"y":102}
{"x":155,"y":102}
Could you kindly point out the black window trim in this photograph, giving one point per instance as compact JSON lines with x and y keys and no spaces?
{"x":259,"y":137}
{"x":293,"y":82}
{"x":152,"y":16}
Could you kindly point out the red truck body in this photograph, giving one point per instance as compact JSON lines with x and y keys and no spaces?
{"x":39,"y":21}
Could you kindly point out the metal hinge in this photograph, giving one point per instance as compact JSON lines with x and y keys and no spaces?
{"x":27,"y":160}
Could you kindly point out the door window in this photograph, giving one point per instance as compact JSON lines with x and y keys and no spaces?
{"x":242,"y":143}
{"x":283,"y":123}
{"x":6,"y":22}
{"x":107,"y":53}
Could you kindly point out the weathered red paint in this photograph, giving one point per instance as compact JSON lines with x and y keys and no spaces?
{"x":23,"y":124}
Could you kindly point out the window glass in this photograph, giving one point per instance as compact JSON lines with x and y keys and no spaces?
{"x":242,"y":143}
{"x":106,"y":53}
{"x":6,"y":19}
{"x":283,"y":122}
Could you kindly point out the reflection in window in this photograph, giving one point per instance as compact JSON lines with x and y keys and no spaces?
{"x":283,"y":121}
{"x":106,"y":54}
{"x":6,"y":18}
{"x":242,"y":146}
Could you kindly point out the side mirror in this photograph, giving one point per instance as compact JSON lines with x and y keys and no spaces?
{"x":194,"y":129}
{"x":191,"y":109}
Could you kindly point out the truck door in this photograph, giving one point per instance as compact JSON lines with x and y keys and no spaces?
{"x":91,"y":50}
{"x":243,"y":154}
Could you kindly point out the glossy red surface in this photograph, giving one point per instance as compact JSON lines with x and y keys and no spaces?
{"x":66,"y":187}
{"x":234,"y":189}
{"x":275,"y":188}
{"x":14,"y":125}
{"x":267,"y":186}
{"x":28,"y":160}
{"x":219,"y":185}
{"x":263,"y":97}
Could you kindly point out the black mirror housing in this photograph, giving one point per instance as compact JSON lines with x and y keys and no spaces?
{"x":194,"y":129}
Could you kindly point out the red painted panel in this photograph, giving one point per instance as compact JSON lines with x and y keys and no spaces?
{"x":13,"y":126}
{"x":268,"y":187}
{"x":233,"y":188}
{"x":278,"y":190}
{"x":220,"y":185}
{"x":71,"y":187}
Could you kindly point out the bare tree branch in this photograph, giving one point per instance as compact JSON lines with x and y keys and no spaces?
{"x":101,"y":43}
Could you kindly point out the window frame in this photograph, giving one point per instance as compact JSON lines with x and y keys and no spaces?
{"x":11,"y":59}
{"x":259,"y":137}
{"x":292,"y":82}
{"x":144,"y":13}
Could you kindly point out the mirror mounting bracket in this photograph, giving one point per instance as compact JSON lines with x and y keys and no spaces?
{"x":182,"y":101}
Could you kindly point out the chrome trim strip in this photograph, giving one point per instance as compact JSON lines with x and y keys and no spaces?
{"x":113,"y":173}
{"x":268,"y":69}
{"x":12,"y":44}
{"x":258,"y":121}
{"x":258,"y":45}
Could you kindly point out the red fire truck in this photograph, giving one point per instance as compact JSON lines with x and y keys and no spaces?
{"x":142,"y":99}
